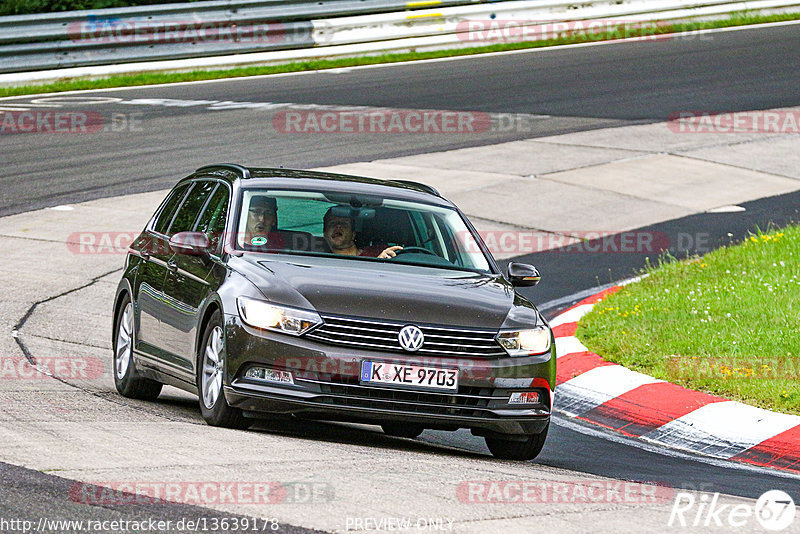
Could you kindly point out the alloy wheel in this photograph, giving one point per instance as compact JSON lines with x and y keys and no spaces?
{"x":212,"y":368}
{"x":124,"y":342}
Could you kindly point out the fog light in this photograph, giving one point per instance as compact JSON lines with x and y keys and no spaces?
{"x":524,"y":397}
{"x":269,"y":375}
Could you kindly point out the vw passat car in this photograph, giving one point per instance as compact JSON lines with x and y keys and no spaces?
{"x":325,"y":296}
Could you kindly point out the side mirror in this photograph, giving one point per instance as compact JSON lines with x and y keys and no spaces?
{"x":523,"y":275}
{"x":189,"y":243}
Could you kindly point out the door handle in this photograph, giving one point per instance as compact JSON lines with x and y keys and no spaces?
{"x":172,"y":266}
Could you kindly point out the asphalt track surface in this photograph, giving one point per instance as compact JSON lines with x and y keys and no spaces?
{"x":580,"y":88}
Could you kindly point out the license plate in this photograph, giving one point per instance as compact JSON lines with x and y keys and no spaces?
{"x":408,"y":375}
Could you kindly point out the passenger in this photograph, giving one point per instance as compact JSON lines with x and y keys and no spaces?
{"x":340,"y":237}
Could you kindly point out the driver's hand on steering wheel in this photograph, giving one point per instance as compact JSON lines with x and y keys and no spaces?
{"x":389,"y":252}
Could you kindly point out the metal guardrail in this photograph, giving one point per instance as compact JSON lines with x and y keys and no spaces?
{"x":174,"y":31}
{"x":528,"y":20}
{"x":226,"y":28}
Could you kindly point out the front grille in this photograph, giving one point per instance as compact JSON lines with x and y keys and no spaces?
{"x":468,"y":402}
{"x":442,"y":341}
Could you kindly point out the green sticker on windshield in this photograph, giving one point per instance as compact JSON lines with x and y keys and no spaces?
{"x":258,"y":241}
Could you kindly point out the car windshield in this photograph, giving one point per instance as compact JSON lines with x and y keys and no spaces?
{"x":356,"y":226}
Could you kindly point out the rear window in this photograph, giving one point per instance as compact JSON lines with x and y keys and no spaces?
{"x":192,"y":205}
{"x":167,"y":212}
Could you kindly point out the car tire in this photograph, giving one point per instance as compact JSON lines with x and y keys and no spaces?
{"x":210,"y":368}
{"x":506,"y":449}
{"x":402,"y":430}
{"x":126,"y":379}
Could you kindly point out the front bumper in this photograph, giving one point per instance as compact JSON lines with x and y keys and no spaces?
{"x":326,"y":385}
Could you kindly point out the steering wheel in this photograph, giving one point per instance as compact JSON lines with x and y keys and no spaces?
{"x":421,"y":250}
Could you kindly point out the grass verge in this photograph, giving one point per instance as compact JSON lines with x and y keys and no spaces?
{"x":726,"y":323}
{"x":736,"y":19}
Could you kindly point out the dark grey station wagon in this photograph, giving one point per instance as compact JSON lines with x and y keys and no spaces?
{"x":326,"y":296}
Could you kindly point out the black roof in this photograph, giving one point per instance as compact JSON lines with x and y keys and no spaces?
{"x":279,"y":177}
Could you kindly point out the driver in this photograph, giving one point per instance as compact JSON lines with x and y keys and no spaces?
{"x":262,"y":220}
{"x":340,"y":237}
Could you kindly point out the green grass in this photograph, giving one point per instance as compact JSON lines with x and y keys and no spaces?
{"x":737,"y":19}
{"x":726,"y":323}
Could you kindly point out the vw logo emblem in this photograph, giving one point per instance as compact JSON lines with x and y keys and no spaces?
{"x":411,"y":338}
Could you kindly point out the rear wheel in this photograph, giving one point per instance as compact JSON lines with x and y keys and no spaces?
{"x":210,"y":367}
{"x":127,"y":380}
{"x":402,"y":430}
{"x":507,"y":449}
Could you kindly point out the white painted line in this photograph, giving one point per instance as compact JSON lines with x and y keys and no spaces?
{"x":572,"y":316}
{"x":26,"y":106}
{"x":568,"y":345}
{"x":87,"y":101}
{"x":727,"y":209}
{"x":63,"y":207}
{"x":723,"y":429}
{"x":421,"y":61}
{"x":32,"y":105}
{"x":632,"y":280}
{"x":598,"y":386}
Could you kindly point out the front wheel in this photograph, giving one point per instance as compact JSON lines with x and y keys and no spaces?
{"x":507,"y":449}
{"x":127,"y":380}
{"x":210,"y":367}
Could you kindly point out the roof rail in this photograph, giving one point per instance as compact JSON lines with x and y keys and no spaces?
{"x":243,"y":171}
{"x":430,"y":189}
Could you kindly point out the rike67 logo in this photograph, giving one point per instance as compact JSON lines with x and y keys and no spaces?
{"x":774,"y":511}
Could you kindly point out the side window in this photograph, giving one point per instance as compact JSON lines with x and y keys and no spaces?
{"x":421,"y":229}
{"x":212,"y":220}
{"x":169,"y":209}
{"x":190,"y":209}
{"x":442,"y":238}
{"x":425,"y":230}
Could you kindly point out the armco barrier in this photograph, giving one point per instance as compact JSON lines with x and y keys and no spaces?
{"x":530,"y":17}
{"x":239,"y":33}
{"x":172,"y":31}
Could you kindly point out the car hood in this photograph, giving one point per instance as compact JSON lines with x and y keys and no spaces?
{"x":391,"y":291}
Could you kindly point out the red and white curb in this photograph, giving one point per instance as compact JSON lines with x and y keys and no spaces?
{"x":600,"y":392}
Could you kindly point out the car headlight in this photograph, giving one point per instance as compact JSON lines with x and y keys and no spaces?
{"x":525,"y":342}
{"x":261,"y":314}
